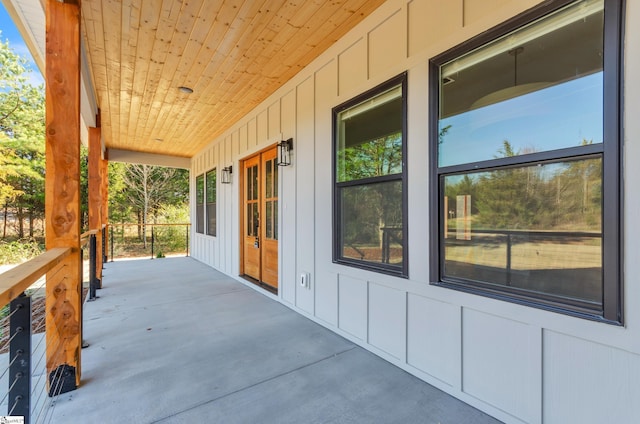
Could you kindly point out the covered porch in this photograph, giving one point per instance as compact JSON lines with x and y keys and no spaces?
{"x":173,"y":340}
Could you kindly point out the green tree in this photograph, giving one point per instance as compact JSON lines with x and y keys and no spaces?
{"x":22,"y":110}
{"x":147,"y":188}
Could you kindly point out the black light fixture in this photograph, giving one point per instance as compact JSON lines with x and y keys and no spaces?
{"x":284,"y":152}
{"x":226,"y":174}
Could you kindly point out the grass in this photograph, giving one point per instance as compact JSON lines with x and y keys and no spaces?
{"x":18,"y":251}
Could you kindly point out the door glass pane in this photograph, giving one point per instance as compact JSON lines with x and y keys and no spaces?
{"x":275,"y":179}
{"x":250,"y":220}
{"x":256,"y":220}
{"x":249,"y":183}
{"x":254,"y":177}
{"x":269,"y":179}
{"x":269,"y":219}
{"x":275,"y":218}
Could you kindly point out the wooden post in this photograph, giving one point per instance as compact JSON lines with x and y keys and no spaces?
{"x":95,"y":193}
{"x":62,"y":194}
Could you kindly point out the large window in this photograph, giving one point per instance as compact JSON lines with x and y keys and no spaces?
{"x":211,"y":201}
{"x":200,"y":204}
{"x":525,"y":161}
{"x":370,"y":225}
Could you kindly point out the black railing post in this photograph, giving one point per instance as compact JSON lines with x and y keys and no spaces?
{"x":111,"y":240}
{"x":187,"y":227}
{"x":152,"y":241}
{"x":94,"y":283}
{"x":104,"y":246}
{"x":508,"y":259}
{"x":19,"y":403}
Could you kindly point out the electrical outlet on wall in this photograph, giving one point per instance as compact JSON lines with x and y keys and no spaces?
{"x":305,"y":280}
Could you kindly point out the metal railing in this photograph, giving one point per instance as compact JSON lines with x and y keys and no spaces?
{"x":509,"y":238}
{"x":148,"y":240}
{"x":89,"y":239}
{"x":22,"y":290}
{"x":31,"y":388}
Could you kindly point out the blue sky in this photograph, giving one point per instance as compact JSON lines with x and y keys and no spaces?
{"x":10,"y":33}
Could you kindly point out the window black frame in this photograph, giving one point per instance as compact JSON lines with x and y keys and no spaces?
{"x":208,"y":205}
{"x":610,"y":149}
{"x":200,"y":205}
{"x":403,"y":271}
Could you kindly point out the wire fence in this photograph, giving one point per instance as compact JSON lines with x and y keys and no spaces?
{"x":128,"y":240}
{"x":25,"y":349}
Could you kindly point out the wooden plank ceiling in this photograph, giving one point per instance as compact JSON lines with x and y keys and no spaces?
{"x":232,"y":53}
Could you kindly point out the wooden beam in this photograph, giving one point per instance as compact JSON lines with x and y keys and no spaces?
{"x":18,"y":279}
{"x":95,"y":193}
{"x":62,"y":194}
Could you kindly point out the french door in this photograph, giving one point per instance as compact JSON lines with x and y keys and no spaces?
{"x":260,"y":218}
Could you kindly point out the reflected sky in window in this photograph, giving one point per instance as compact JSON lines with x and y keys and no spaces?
{"x":560,"y":116}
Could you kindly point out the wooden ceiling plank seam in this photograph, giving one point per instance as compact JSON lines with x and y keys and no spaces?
{"x":249,"y":56}
{"x":255,"y":77}
{"x":321,"y":45}
{"x":366,"y":9}
{"x":230,"y":116}
{"x":166,"y":91}
{"x":156,"y":32}
{"x":216,"y":31}
{"x":235,"y":62}
{"x":257,"y":24}
{"x":180,"y":33}
{"x":174,"y":100}
{"x":126,"y":66}
{"x":217,"y":37}
{"x":106,"y":102}
{"x":88,"y":32}
{"x":153,"y":15}
{"x":149,"y":20}
{"x":315,"y":38}
{"x":97,"y":56}
{"x":285,"y":62}
{"x":94,"y":42}
{"x":135,"y":14}
{"x":302,"y":55}
{"x":352,"y":10}
{"x":246,"y":37}
{"x":161,"y":36}
{"x":110,"y":11}
{"x":217,"y":69}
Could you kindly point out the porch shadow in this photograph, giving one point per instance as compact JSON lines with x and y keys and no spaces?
{"x":174,"y":341}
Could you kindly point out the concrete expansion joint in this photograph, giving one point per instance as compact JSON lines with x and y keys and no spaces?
{"x":275,"y":377}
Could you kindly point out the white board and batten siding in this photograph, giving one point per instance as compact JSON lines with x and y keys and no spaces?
{"x":518,"y":364}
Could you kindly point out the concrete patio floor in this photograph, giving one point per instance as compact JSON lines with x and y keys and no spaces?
{"x":174,"y":341}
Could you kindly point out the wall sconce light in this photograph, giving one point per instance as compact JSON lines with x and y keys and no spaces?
{"x":284,"y":152}
{"x":226,"y":174}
